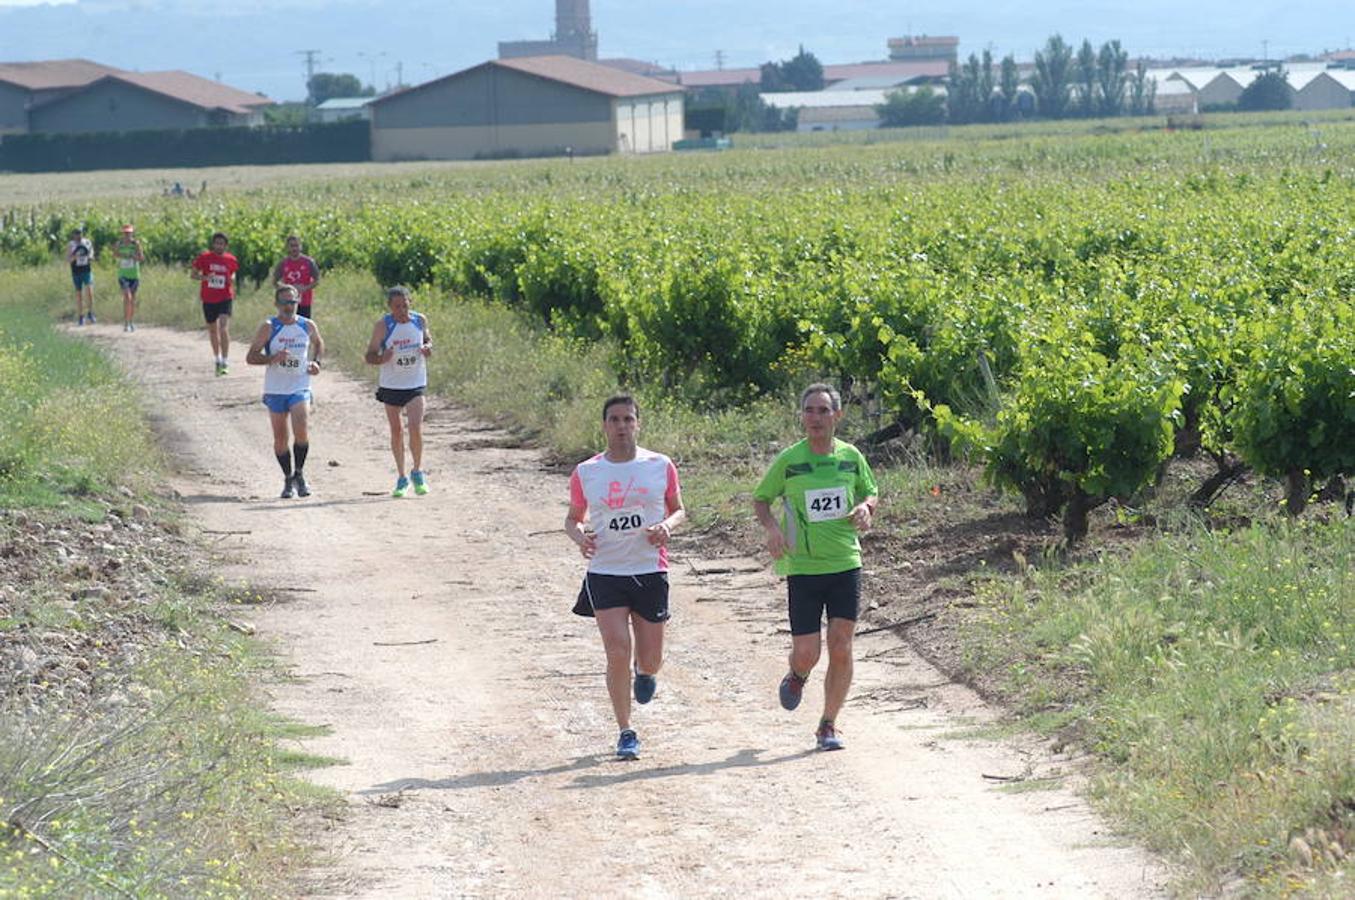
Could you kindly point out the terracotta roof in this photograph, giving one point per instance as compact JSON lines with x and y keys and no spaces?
{"x":719,"y":77}
{"x":931,"y":68}
{"x":194,"y":90}
{"x":579,"y":73}
{"x":901,"y":69}
{"x":53,"y":73}
{"x":637,"y":67}
{"x":590,"y":76}
{"x":922,"y":40}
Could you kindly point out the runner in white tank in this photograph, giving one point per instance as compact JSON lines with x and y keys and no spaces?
{"x":290,"y":347}
{"x":400,"y":345}
{"x":623,"y":506}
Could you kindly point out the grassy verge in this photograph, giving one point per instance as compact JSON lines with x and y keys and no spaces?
{"x":1214,"y":673}
{"x":134,"y":760}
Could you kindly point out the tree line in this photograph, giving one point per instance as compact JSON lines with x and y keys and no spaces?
{"x":1064,"y":83}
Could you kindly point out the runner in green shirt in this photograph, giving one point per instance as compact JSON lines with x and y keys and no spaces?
{"x":129,"y":257}
{"x":828,"y":495}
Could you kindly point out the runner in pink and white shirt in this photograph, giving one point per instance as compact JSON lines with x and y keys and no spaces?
{"x":623,"y":506}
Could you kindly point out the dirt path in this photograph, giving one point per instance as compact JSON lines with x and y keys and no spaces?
{"x":433,"y":636}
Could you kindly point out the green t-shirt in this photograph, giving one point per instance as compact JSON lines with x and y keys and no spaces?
{"x":818,"y":494}
{"x":128,"y":267}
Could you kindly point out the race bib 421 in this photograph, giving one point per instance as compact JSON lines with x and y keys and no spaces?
{"x":826,"y":504}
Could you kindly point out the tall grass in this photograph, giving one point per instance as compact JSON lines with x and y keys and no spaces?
{"x":70,"y":424}
{"x":139,"y":765}
{"x":1215,"y":673}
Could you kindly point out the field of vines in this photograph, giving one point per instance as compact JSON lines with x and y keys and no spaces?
{"x":1071,"y":311}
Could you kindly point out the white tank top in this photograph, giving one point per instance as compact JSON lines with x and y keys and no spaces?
{"x":623,"y":499}
{"x":292,"y":375}
{"x":408,"y":368}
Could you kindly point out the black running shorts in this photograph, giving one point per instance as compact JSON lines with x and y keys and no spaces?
{"x":645,"y":594}
{"x":810,"y":596}
{"x":213,"y":311}
{"x":398,"y":396}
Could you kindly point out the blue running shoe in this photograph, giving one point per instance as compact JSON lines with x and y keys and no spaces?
{"x":792,"y":689}
{"x":420,"y":482}
{"x":401,"y":487}
{"x":644,"y":687}
{"x":827,"y":737}
{"x":628,"y":745}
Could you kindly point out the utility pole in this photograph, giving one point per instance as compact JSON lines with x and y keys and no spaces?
{"x":720,"y":60}
{"x":310,"y":68}
{"x":400,"y":74}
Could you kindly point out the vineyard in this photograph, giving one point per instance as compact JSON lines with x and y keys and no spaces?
{"x":1070,"y":312}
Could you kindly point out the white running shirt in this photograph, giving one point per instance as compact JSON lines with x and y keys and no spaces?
{"x":623,"y":499}
{"x":292,"y":375}
{"x":408,"y":368}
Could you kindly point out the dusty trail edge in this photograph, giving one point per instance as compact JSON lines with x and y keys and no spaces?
{"x":432,"y":636}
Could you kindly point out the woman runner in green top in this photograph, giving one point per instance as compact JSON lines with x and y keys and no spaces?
{"x":828,"y":495}
{"x":129,"y":256}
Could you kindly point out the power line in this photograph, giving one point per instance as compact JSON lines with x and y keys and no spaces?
{"x":311,"y":56}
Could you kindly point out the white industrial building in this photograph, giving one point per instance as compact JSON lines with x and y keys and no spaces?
{"x":830,"y":110}
{"x":342,"y":109}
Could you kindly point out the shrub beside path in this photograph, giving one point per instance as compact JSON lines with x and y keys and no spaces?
{"x":432,"y":636}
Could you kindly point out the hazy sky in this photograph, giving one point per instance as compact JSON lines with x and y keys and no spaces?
{"x":256,"y":44}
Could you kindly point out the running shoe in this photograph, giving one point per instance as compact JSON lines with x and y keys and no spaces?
{"x":401,"y":487}
{"x":220,"y":369}
{"x":302,"y":489}
{"x":92,"y":320}
{"x":81,"y":322}
{"x":420,"y":483}
{"x":287,"y":488}
{"x":827,"y":737}
{"x":225,"y":369}
{"x":644,"y":687}
{"x":792,"y":689}
{"x":628,"y":745}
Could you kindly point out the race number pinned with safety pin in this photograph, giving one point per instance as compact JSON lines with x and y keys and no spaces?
{"x":826,"y":504}
{"x":216,"y":282}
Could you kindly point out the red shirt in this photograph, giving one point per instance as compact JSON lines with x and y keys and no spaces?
{"x":220,"y":271}
{"x":301,"y":270}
